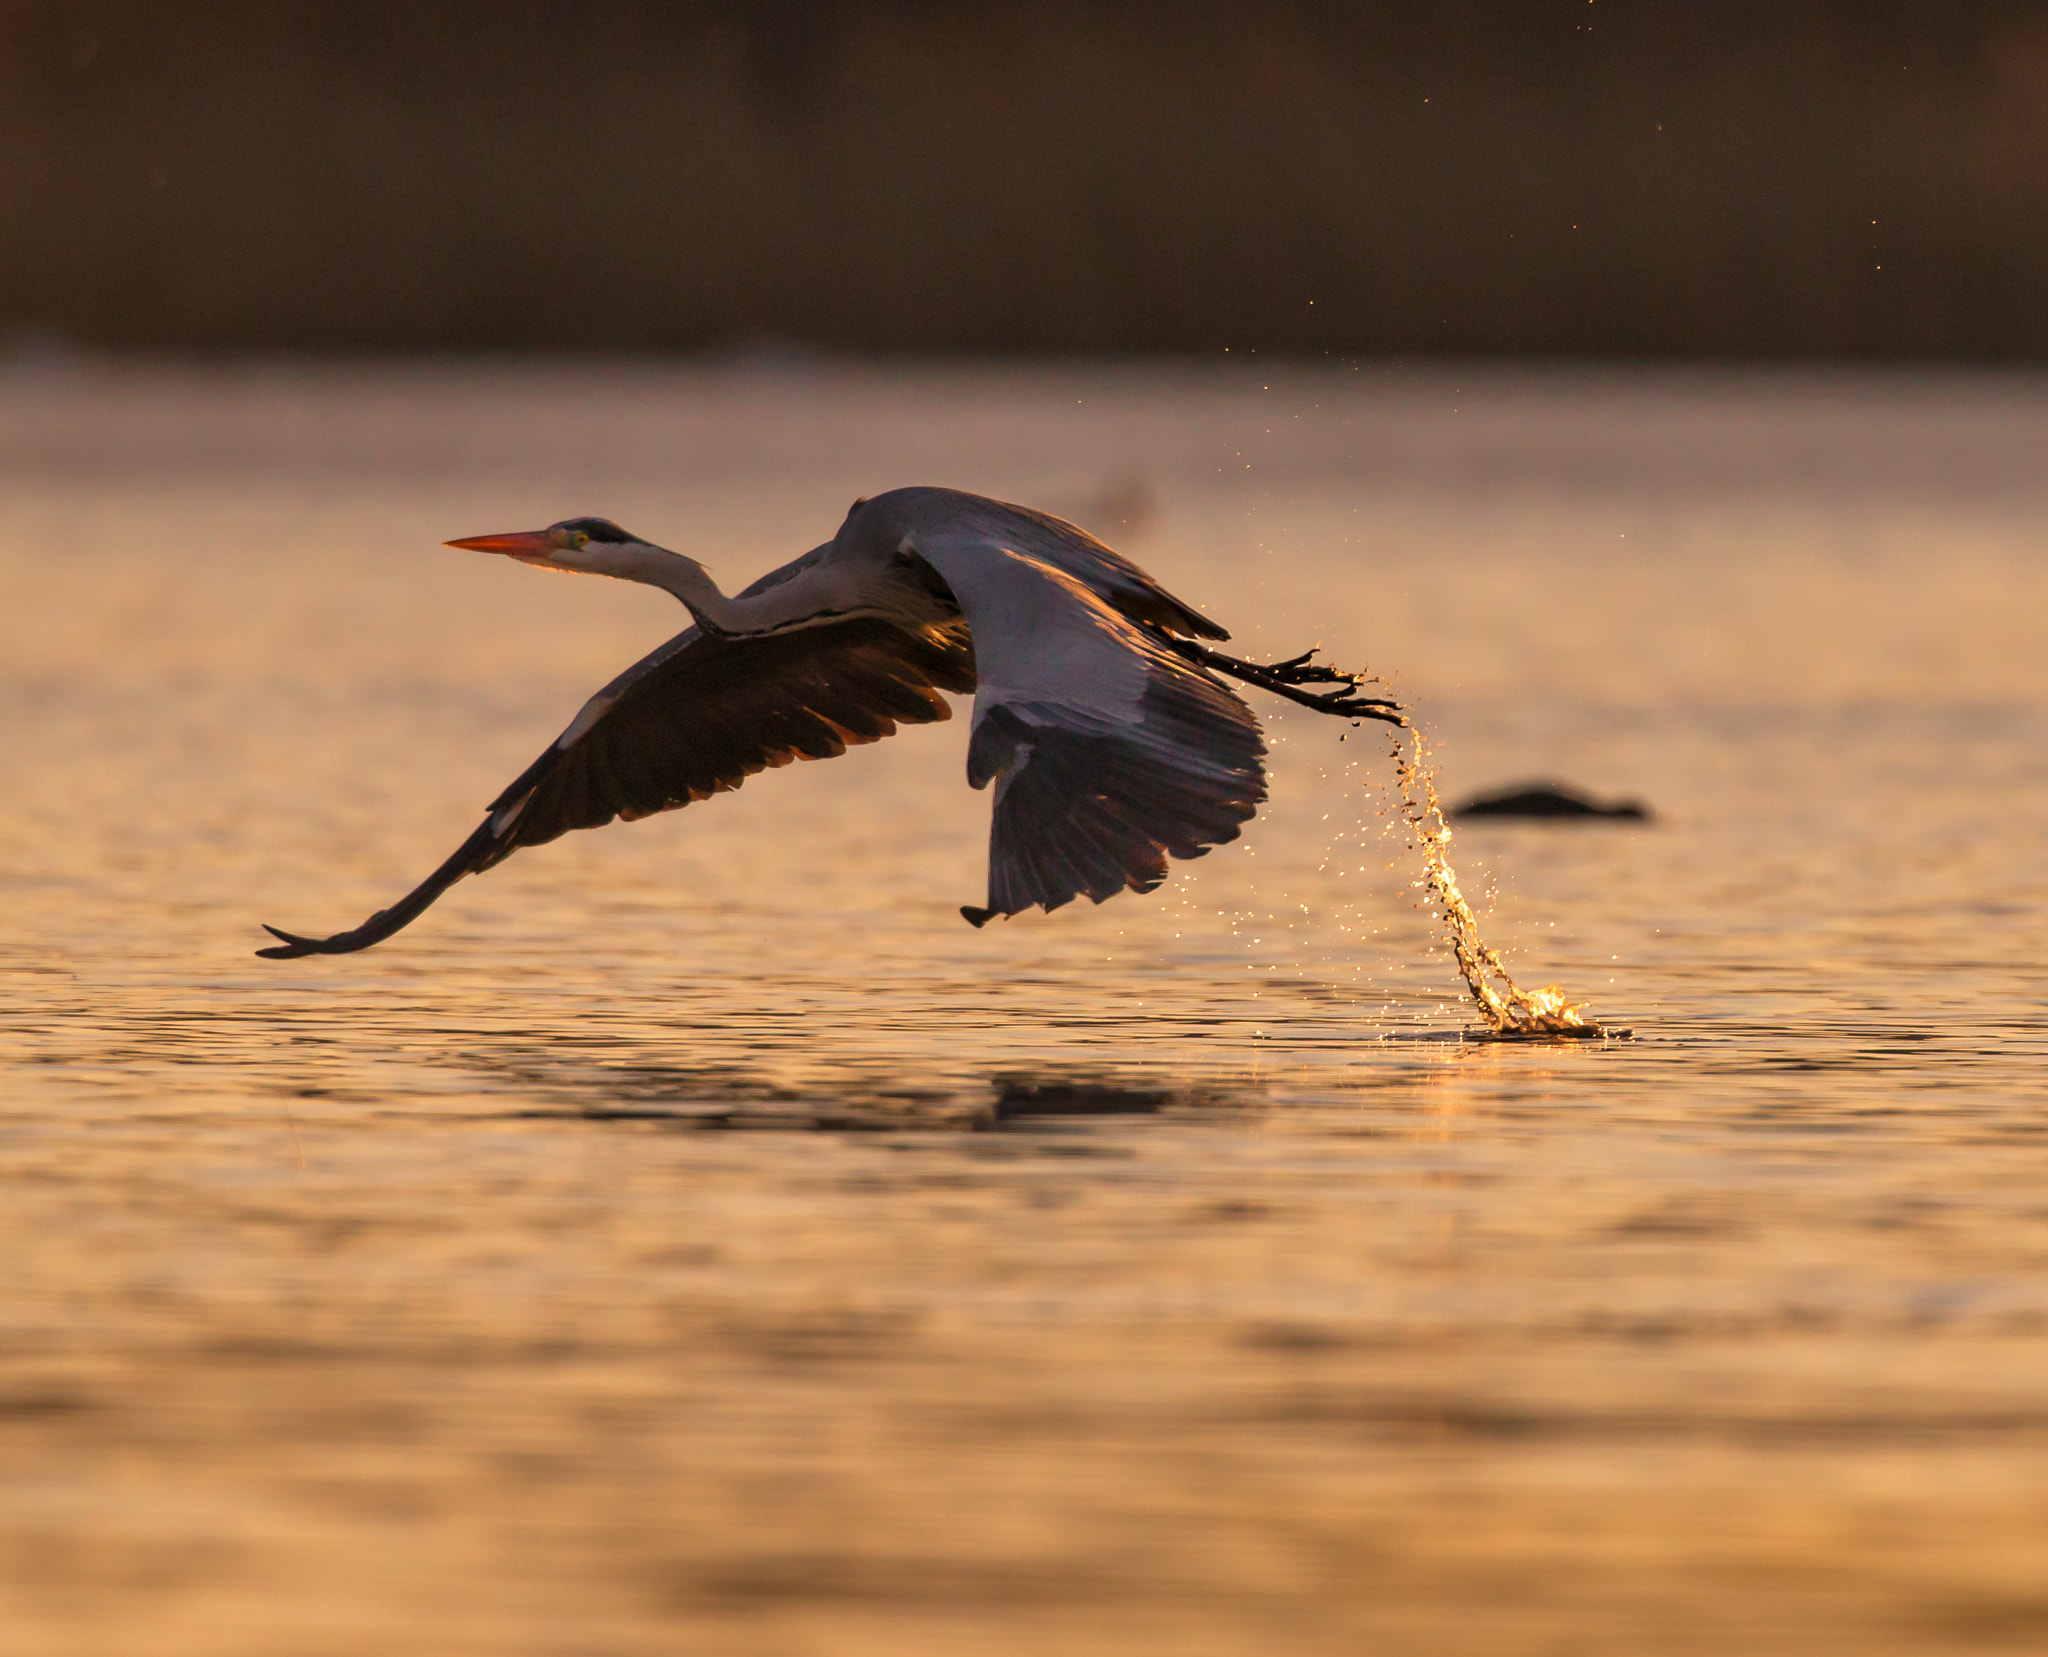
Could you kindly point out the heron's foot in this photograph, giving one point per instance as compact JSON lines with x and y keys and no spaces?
{"x":1346,"y":701}
{"x":1306,"y":670}
{"x":1345,"y":704}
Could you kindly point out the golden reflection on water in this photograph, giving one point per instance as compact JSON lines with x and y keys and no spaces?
{"x":691,"y":1236}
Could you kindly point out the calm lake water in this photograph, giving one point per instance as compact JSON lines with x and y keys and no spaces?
{"x":693,"y":1237}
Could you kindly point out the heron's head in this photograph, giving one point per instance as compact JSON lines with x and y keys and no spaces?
{"x":584,"y":544}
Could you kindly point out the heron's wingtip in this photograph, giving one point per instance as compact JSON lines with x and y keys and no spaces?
{"x":976,"y":918}
{"x":290,"y":948}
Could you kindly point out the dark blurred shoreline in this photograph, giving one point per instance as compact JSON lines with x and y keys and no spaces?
{"x":1820,"y":182}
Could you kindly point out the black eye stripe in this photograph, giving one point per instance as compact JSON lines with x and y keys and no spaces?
{"x":598,"y":529}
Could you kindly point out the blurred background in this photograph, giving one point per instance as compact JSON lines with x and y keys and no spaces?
{"x":1830,"y":179}
{"x":692,"y":1236}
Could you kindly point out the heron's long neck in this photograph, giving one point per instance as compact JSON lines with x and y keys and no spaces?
{"x":673,"y":573}
{"x":817,"y":595}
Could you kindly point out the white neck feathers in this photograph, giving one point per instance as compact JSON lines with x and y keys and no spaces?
{"x":816,"y":595}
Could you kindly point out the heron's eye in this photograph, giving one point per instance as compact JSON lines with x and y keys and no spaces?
{"x":582,"y":540}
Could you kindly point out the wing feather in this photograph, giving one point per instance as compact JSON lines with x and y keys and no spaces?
{"x":1067,"y":547}
{"x":696,"y":718}
{"x":1110,"y":752}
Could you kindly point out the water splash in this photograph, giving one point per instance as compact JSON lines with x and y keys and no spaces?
{"x":1511,"y":1012}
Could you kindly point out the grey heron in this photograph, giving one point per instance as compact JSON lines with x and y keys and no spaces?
{"x":1099,"y":713}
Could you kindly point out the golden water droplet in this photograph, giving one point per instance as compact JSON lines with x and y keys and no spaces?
{"x":1508,"y":1009}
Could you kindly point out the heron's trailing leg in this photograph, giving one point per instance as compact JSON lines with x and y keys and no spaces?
{"x":1286,"y":678}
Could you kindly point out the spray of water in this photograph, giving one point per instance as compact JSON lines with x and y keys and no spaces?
{"x":1511,"y":1012}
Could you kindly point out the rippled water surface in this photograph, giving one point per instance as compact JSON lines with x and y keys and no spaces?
{"x":692,"y":1236}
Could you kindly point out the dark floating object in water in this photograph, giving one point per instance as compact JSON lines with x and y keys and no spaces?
{"x":1551,"y":801}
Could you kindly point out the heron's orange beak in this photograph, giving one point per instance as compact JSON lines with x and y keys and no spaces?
{"x":532,"y":543}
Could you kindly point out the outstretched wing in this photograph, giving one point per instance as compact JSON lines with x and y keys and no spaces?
{"x":924,"y":512}
{"x":696,"y":718}
{"x":1109,"y":751}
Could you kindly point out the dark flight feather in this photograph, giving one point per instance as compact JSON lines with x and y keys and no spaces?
{"x":696,"y":718}
{"x":1081,"y":813}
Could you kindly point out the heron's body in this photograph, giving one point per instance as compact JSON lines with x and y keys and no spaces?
{"x":1111,"y":743}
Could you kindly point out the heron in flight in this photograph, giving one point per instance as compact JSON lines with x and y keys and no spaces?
{"x":1099,"y":713}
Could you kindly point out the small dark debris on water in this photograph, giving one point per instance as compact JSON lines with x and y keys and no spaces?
{"x":1550,"y":801}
